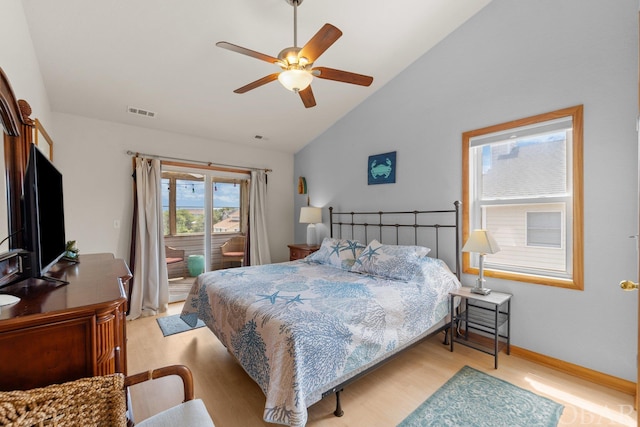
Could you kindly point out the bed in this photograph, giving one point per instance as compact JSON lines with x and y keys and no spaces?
{"x":305,"y":329}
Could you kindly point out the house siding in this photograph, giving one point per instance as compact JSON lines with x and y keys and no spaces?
{"x":508,"y":225}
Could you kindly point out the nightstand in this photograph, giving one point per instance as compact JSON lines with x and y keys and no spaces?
{"x":489,"y":315}
{"x":301,"y":250}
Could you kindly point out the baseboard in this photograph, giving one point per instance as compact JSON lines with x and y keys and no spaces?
{"x":615,"y":383}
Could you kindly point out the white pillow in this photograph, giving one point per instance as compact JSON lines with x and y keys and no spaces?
{"x":396,"y":262}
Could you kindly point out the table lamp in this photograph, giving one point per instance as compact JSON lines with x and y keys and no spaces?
{"x":481,"y":242}
{"x":311,"y":216}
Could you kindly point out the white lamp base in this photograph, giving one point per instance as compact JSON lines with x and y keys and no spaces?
{"x":311,"y":235}
{"x":481,"y":291}
{"x":8,"y":299}
{"x":479,"y":287}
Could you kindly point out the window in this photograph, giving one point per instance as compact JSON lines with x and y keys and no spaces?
{"x":544,"y":229}
{"x":184,"y":201}
{"x":226,"y":207}
{"x":522,"y":180}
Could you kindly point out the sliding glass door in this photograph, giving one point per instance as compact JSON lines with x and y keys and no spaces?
{"x":202,"y":210}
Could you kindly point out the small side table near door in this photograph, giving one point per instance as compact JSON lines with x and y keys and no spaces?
{"x":490,"y":315}
{"x":301,"y":250}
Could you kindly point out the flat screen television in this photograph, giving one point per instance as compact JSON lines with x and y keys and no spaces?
{"x":43,"y":213}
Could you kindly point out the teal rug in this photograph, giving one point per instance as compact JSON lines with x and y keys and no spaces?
{"x":473,"y":398}
{"x":174,"y":325}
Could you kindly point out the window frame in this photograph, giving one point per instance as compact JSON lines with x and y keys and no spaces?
{"x":576,"y":281}
{"x":173,"y":205}
{"x":242,"y":197}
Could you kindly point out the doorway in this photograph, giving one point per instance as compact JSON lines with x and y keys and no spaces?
{"x":202,"y":209}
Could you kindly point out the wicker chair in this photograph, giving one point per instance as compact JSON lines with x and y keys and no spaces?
{"x":175,"y":256}
{"x":233,"y":250}
{"x":99,"y":401}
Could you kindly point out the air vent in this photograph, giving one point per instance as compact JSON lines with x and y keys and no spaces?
{"x":140,"y":112}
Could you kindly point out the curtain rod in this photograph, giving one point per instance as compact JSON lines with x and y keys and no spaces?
{"x":177,"y":159}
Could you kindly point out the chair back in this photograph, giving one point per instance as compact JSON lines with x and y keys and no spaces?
{"x":233,"y":250}
{"x":234,"y":244}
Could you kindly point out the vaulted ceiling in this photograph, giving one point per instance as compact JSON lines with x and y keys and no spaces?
{"x":100,"y":57}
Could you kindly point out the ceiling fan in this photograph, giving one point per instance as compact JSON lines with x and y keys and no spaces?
{"x":296,"y":63}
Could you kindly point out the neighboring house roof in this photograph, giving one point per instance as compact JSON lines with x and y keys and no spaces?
{"x":231,"y":223}
{"x":522,"y":169}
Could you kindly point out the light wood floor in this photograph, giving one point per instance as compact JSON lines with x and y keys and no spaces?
{"x":383,"y":398}
{"x":179,"y":288}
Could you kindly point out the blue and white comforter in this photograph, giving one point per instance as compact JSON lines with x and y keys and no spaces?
{"x":300,"y":328}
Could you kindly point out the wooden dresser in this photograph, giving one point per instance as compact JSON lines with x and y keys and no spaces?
{"x":57,"y":333}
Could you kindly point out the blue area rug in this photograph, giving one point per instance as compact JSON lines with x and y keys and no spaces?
{"x":174,"y":325}
{"x":473,"y":398}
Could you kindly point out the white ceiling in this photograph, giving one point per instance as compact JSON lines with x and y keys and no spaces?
{"x":99,"y":57}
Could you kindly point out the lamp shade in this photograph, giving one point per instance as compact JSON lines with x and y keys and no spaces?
{"x":295,"y":80}
{"x":482,"y":242}
{"x":309,"y":215}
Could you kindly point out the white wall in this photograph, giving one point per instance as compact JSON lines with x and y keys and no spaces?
{"x":513,"y":60}
{"x":19,"y":62}
{"x":91,"y":154}
{"x":97,"y":172}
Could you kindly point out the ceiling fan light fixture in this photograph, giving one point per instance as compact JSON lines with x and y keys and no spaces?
{"x":297,"y":62}
{"x":292,"y":59}
{"x":295,"y":80}
{"x":289,"y":56}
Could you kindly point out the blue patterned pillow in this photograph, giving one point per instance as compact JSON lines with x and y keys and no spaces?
{"x":391,"y":261}
{"x":340,"y":253}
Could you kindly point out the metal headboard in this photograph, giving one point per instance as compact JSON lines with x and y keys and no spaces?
{"x":401,"y":227}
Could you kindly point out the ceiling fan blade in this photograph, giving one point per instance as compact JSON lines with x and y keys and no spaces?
{"x":325,"y":37}
{"x":307,"y":97}
{"x":248,"y":52}
{"x":342,"y":76}
{"x":257,"y":83}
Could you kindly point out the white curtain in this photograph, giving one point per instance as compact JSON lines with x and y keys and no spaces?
{"x":258,"y":239}
{"x":150,"y":288}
